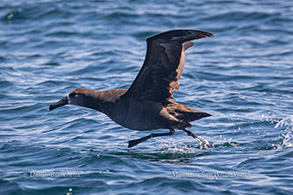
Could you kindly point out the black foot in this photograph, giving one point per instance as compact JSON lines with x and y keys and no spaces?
{"x":134,"y":142}
{"x":202,"y":143}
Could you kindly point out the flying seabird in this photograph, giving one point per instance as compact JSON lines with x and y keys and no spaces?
{"x":148,"y":103}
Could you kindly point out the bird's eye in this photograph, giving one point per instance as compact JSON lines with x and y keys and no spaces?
{"x":74,"y":94}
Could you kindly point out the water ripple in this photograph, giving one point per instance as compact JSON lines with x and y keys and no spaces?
{"x":242,"y":76}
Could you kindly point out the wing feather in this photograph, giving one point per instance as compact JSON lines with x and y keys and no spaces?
{"x":163,"y":65}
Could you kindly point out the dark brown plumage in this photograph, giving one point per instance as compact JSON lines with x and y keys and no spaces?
{"x":148,"y":103}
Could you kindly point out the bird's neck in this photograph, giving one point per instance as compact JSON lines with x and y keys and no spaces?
{"x":94,"y":100}
{"x":101,"y":100}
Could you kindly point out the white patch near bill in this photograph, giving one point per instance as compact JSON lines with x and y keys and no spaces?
{"x":68,"y":98}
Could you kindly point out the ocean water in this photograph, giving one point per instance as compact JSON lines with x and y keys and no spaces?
{"x":243,"y":76}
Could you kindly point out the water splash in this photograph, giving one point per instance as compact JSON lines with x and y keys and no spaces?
{"x":286,"y":136}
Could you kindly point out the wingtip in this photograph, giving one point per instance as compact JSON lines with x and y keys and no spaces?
{"x":210,"y":34}
{"x":181,"y":35}
{"x":202,"y":34}
{"x":207,"y":115}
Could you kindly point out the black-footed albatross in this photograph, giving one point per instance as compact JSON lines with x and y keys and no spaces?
{"x":147,"y":104}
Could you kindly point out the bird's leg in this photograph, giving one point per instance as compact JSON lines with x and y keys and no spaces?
{"x":203,"y":143}
{"x":134,"y":142}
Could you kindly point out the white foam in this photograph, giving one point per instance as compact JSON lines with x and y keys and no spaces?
{"x":287,"y":137}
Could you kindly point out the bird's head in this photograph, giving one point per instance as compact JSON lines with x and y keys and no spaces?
{"x":75,"y":97}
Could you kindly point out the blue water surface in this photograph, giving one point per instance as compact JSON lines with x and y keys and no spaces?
{"x":243,"y":76}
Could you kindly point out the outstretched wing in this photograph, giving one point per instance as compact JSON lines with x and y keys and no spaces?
{"x":163,"y":65}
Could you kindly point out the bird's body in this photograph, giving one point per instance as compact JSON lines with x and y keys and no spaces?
{"x":139,"y":115}
{"x":148,"y":103}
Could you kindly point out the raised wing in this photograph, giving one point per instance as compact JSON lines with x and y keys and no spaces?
{"x":163,"y":65}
